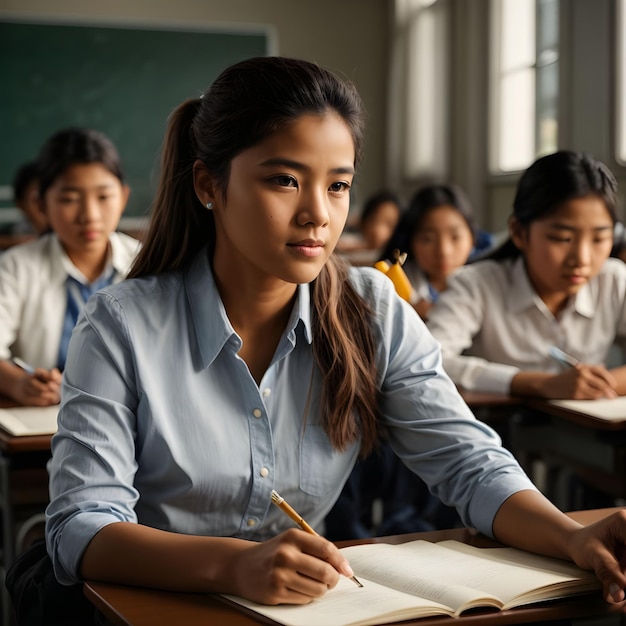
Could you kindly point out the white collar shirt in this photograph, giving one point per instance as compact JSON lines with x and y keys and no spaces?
{"x":491,"y":323}
{"x":33,"y":295}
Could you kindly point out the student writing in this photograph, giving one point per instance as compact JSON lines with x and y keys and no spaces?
{"x":437,"y":232}
{"x":242,"y":357}
{"x":551,"y":284}
{"x":44,"y":283}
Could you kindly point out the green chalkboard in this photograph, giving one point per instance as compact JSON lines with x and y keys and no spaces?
{"x":121,"y":81}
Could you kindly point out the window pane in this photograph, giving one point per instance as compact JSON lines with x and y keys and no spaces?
{"x":547,"y":108}
{"x":621,"y":81}
{"x":517,"y":34}
{"x":517,"y":120}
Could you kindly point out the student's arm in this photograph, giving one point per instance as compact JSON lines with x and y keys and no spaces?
{"x":39,"y":388}
{"x":293,"y":567}
{"x":529,"y":521}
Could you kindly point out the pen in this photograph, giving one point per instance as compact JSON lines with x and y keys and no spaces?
{"x":29,"y":369}
{"x":280,"y":502}
{"x":563,"y":358}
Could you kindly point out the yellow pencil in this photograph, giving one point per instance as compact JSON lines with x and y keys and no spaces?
{"x":284,"y":506}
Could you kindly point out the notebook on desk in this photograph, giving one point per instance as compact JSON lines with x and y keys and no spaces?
{"x":30,"y":420}
{"x":613,"y":410}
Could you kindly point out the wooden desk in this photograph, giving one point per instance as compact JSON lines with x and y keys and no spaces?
{"x":130,"y":606}
{"x":569,"y":443}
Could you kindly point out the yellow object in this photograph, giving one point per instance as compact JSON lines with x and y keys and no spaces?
{"x":397,"y":276}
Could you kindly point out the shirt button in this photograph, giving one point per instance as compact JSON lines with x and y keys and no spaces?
{"x":257,"y":412}
{"x":251,"y":522}
{"x":264,"y":472}
{"x":267,"y":392}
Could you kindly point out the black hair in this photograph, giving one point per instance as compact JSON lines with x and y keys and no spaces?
{"x":553,"y":180}
{"x":422,"y":202}
{"x":73,"y":146}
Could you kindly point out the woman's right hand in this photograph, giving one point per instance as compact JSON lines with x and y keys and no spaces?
{"x":292,"y":568}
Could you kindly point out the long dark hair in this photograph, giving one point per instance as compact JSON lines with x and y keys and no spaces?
{"x":72,"y":146}
{"x":553,"y":180}
{"x":247,"y":103}
{"x":422,"y":202}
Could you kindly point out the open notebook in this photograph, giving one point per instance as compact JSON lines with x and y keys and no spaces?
{"x":613,"y":410}
{"x":30,"y":420}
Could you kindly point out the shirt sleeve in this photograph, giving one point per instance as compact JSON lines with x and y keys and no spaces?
{"x":455,"y":319}
{"x":430,"y":426}
{"x":93,"y":452}
{"x":10,"y":302}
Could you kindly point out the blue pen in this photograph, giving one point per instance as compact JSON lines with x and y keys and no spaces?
{"x":563,"y":358}
{"x":29,"y":369}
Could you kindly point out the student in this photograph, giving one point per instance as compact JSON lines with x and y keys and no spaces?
{"x":26,"y":198}
{"x":551,"y":284}
{"x":242,"y":356}
{"x":377,"y":222}
{"x":437,"y":233}
{"x":44,"y":283}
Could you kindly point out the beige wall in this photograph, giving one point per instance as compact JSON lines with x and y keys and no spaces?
{"x":347,"y":36}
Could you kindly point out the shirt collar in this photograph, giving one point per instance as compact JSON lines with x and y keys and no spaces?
{"x":211,"y":324}
{"x":116,"y":261}
{"x":523,"y":294}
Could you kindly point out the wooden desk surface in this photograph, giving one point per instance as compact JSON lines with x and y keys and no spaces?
{"x":130,"y":606}
{"x":582,"y":419}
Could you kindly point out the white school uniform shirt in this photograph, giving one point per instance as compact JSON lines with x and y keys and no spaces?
{"x":33,"y":295}
{"x":161,"y":422}
{"x":491,"y":323}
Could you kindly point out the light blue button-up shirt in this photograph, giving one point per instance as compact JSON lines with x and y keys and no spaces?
{"x":161,"y":422}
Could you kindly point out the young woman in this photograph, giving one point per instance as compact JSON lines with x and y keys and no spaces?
{"x":243,"y":357}
{"x":438,"y":234}
{"x":552,"y":284}
{"x":44,"y":283}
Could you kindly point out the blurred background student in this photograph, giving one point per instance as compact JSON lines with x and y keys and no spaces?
{"x":377,"y":221}
{"x":438,"y":234}
{"x":551,"y":284}
{"x":26,"y":198}
{"x":44,"y":283}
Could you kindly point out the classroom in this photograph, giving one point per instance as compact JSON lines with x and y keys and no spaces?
{"x":460,"y":97}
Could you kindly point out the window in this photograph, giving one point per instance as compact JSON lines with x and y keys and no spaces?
{"x":524,"y":82}
{"x":419,"y":108}
{"x":620,"y":65}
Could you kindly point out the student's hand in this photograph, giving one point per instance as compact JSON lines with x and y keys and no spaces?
{"x":583,"y":382}
{"x":42,"y":388}
{"x":601,"y":547}
{"x":293,"y":568}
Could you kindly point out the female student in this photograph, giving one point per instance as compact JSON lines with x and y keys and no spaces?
{"x":438,"y":234}
{"x":44,"y":283}
{"x":552,"y":284}
{"x":243,"y":356}
{"x":377,"y":222}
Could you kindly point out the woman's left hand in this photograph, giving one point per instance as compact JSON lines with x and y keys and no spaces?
{"x":601,"y":547}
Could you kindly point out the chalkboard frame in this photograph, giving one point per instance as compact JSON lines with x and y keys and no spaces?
{"x":151,"y":68}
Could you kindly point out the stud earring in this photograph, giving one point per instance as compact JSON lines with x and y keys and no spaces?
{"x":209,"y":205}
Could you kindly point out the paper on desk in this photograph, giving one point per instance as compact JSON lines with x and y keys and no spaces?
{"x":30,"y":420}
{"x":613,"y":410}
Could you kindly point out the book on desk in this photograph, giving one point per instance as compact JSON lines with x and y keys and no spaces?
{"x":612,"y":410}
{"x":24,"y":421}
{"x":419,"y":578}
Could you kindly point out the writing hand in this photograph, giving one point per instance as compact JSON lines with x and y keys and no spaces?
{"x":583,"y":382}
{"x":41,"y":388}
{"x":293,"y":568}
